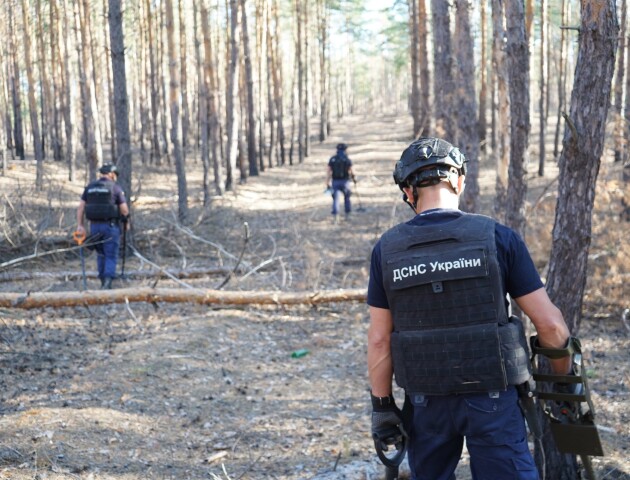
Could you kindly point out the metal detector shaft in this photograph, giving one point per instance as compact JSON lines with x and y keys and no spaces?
{"x":357,"y":192}
{"x":124,"y":252}
{"x":79,"y":237}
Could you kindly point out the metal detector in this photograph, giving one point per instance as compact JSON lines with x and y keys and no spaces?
{"x":392,"y":437}
{"x":568,"y":406}
{"x":360,"y":209}
{"x":79,"y":237}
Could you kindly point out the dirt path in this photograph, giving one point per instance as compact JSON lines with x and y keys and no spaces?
{"x":187,"y":392}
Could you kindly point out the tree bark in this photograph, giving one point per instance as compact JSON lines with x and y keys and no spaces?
{"x":232,"y":120}
{"x":443,"y":84}
{"x":174,"y":102}
{"x":579,"y":164}
{"x":121,"y":99}
{"x":154,"y":96}
{"x":414,"y":100}
{"x":211,"y":88}
{"x":16,"y":99}
{"x":542,"y":115}
{"x":252,"y":158}
{"x":562,"y":69}
{"x":183,"y":79}
{"x":620,"y":146}
{"x":32,"y":103}
{"x":502,"y":150}
{"x":483,"y":80}
{"x":30,"y":301}
{"x":424,"y":62}
{"x":92,"y":132}
{"x":518,"y":67}
{"x":323,"y":15}
{"x":467,"y":132}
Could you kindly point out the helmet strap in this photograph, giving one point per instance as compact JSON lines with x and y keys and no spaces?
{"x":413,"y":204}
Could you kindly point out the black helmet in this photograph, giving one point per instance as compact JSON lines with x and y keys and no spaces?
{"x":426,"y":152}
{"x":108,"y":168}
{"x":342,"y":146}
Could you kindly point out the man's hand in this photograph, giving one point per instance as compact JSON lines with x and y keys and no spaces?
{"x":386,"y":418}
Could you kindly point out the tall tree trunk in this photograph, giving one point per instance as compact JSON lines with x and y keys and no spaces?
{"x":183,"y":51}
{"x":92,"y":135}
{"x":323,"y":9}
{"x":483,"y":79}
{"x":443,"y":86}
{"x":579,"y":163}
{"x":252,"y":158}
{"x":232,"y":119}
{"x":204,"y":117}
{"x":518,"y":67}
{"x":261,"y":46}
{"x":45,"y":93}
{"x":542,"y":115}
{"x":110,"y":93}
{"x":618,"y":90}
{"x":414,"y":100}
{"x":301,"y":92}
{"x":209,"y":80}
{"x":273,"y":157}
{"x":562,"y":69}
{"x":174,"y":99}
{"x":66,"y":98}
{"x":16,"y":98}
{"x":121,"y":99}
{"x":155,"y":96}
{"x":56,"y":65}
{"x":502,"y":150}
{"x":32,"y":102}
{"x":467,"y":132}
{"x":307,"y":82}
{"x":278,"y":79}
{"x":424,"y":62}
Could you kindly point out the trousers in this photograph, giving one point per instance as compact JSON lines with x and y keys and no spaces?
{"x":492,"y":424}
{"x":341,"y":186}
{"x":107,"y":252}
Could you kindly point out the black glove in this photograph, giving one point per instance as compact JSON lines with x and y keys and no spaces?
{"x":386,"y":419}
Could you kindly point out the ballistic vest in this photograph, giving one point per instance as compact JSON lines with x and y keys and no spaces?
{"x":99,"y":203}
{"x":451,"y":332}
{"x":340,"y":165}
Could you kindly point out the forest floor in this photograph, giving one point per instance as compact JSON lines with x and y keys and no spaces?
{"x":183,"y":391}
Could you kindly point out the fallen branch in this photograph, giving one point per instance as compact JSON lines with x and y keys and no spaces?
{"x":153,"y":272}
{"x":176,"y":295}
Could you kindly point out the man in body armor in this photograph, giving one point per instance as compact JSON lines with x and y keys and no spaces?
{"x":439,"y":323}
{"x":338,"y":179}
{"x":103,"y":204}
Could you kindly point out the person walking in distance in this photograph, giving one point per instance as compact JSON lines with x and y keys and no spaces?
{"x":103,"y":204}
{"x":440,"y":324}
{"x":338,"y":179}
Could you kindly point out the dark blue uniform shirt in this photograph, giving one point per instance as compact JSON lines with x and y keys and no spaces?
{"x":518,"y":271}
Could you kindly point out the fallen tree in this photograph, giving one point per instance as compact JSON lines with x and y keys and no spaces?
{"x":175,"y":295}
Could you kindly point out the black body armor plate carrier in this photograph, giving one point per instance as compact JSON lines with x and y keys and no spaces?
{"x":339,"y":165}
{"x":451,"y":333}
{"x":99,"y":203}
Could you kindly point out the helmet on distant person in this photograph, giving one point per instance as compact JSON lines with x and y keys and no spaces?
{"x":342,"y":146}
{"x":428,"y":161}
{"x":108,"y":168}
